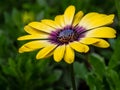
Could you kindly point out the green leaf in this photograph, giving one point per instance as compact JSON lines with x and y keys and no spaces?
{"x":57,"y":74}
{"x":12,"y":63}
{"x":115,"y":59}
{"x":93,"y":82}
{"x":29,"y":69}
{"x":16,"y":17}
{"x":113,"y":79}
{"x":2,"y":78}
{"x":80,"y":70}
{"x":117,"y":4}
{"x":42,"y":2}
{"x":7,"y":18}
{"x":98,"y":64}
{"x":10,"y":69}
{"x":54,"y":76}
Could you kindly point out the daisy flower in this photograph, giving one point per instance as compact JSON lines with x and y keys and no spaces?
{"x":68,"y":33}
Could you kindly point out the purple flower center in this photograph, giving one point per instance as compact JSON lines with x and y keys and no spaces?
{"x":66,"y":35}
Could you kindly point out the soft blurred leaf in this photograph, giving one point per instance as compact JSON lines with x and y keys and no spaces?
{"x":80,"y":70}
{"x":7,"y":17}
{"x":113,"y":80}
{"x":94,"y":83}
{"x":115,"y":58}
{"x":117,"y":4}
{"x":10,"y":69}
{"x":91,"y":82}
{"x":2,"y":78}
{"x":42,"y":2}
{"x":29,"y":70}
{"x":40,"y":15}
{"x":98,"y":64}
{"x":16,"y":17}
{"x":54,"y":76}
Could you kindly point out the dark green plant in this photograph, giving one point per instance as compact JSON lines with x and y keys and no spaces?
{"x":100,"y":70}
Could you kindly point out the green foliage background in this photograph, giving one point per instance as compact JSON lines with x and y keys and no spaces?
{"x":98,"y":70}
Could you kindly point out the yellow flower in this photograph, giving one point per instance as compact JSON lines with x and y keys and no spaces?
{"x":68,"y":33}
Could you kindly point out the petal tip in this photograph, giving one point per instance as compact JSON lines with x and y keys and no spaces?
{"x":86,"y":49}
{"x":69,"y":62}
{"x":112,"y":15}
{"x":20,"y":51}
{"x":57,"y":60}
{"x":37,"y":57}
{"x":71,"y":6}
{"x":19,"y":38}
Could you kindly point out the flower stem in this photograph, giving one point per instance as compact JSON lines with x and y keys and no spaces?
{"x":72,"y":77}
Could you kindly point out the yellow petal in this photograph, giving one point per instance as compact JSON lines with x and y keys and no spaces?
{"x":87,"y":18}
{"x":51,"y":23}
{"x":88,"y":40}
{"x":69,"y":15}
{"x":31,"y":30}
{"x":35,"y":36}
{"x":33,"y":45}
{"x":79,"y":47}
{"x":102,"y":43}
{"x":59,"y":53}
{"x":42,"y":27}
{"x":102,"y":32}
{"x":93,"y":20}
{"x":77,"y":18}
{"x":69,"y":55}
{"x":59,"y":19}
{"x":45,"y":51}
{"x":49,"y":54}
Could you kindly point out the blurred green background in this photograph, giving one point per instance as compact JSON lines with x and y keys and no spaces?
{"x":99,"y":71}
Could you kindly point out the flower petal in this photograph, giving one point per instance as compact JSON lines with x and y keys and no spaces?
{"x":33,"y":45}
{"x":102,"y":32}
{"x":102,"y":44}
{"x":93,"y":20}
{"x":59,"y":19}
{"x":45,"y":51}
{"x":88,"y":40}
{"x":31,"y":30}
{"x":49,"y":54}
{"x":42,"y":27}
{"x":59,"y":53}
{"x":79,"y":47}
{"x":51,"y":23}
{"x":69,"y":55}
{"x":69,"y":15}
{"x":77,"y":18}
{"x":35,"y":36}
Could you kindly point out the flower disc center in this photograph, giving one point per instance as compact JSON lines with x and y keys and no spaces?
{"x":66,"y":36}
